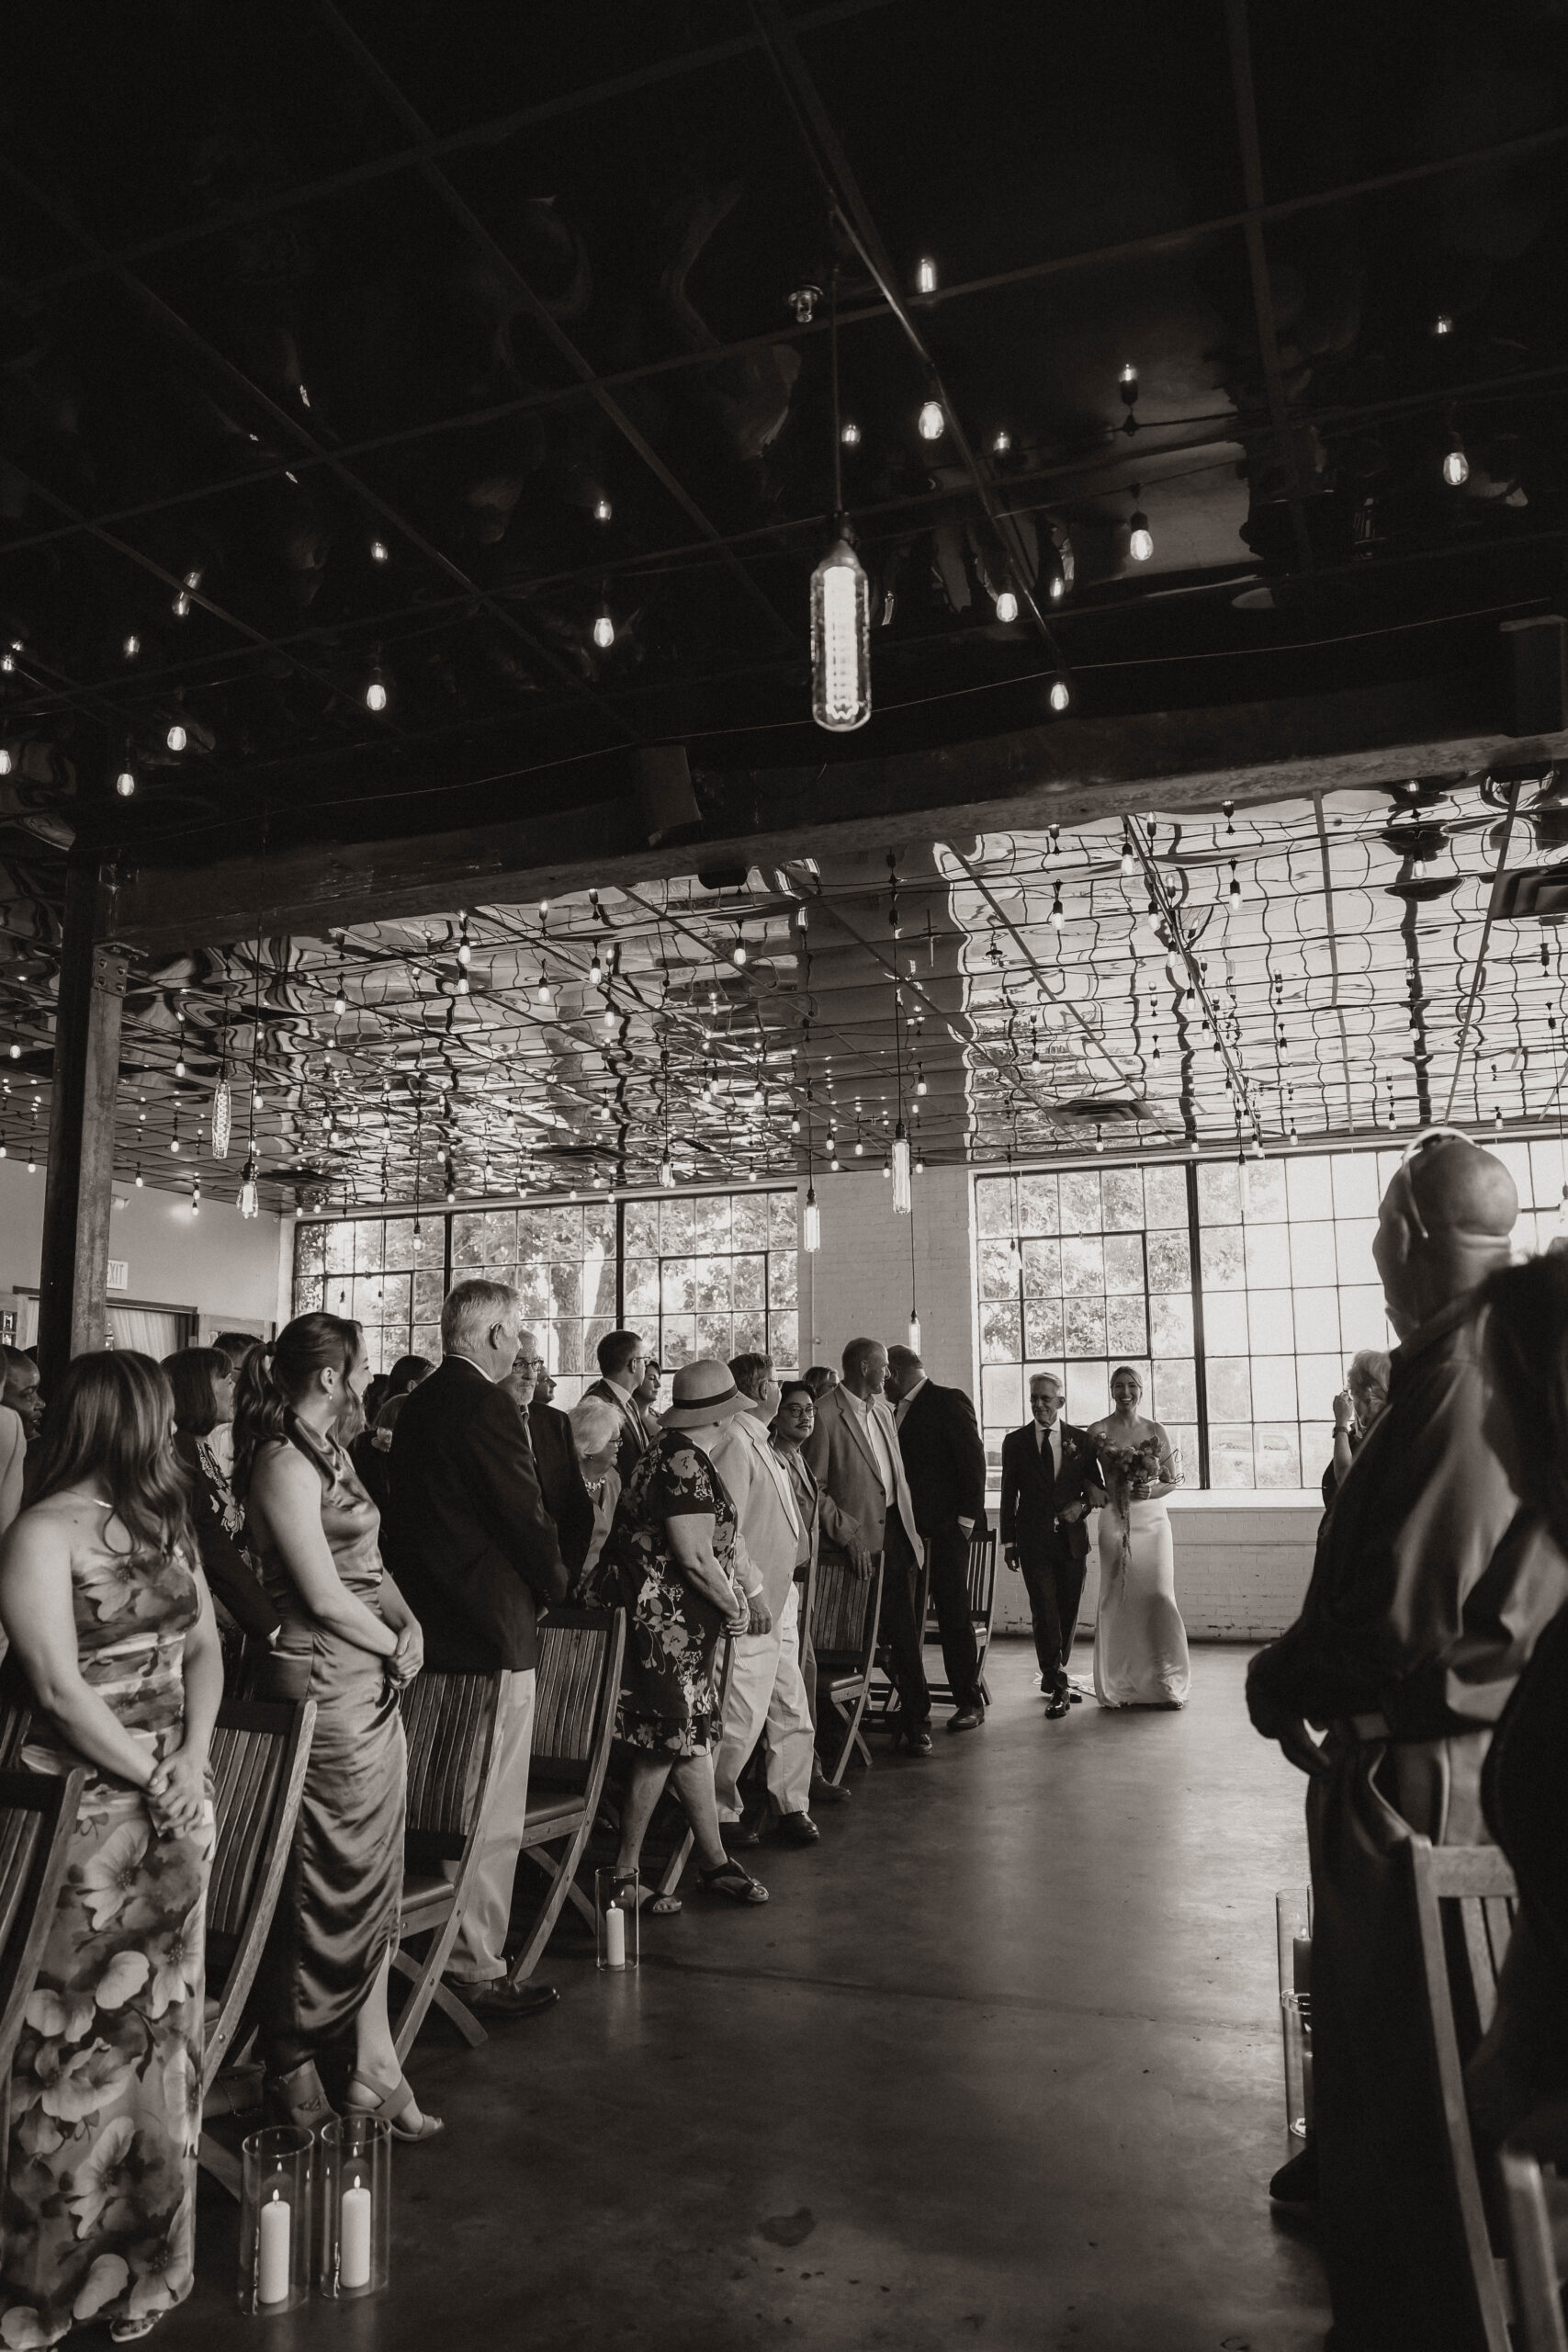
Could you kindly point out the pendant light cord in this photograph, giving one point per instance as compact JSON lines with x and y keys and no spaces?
{"x":833,"y":356}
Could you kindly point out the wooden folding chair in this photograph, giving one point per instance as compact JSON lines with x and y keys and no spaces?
{"x":846,"y":1610}
{"x":450,"y":1723}
{"x":1464,"y":1899}
{"x":980,"y":1581}
{"x":259,"y":1754}
{"x":38,"y":1817}
{"x":1536,"y":2202}
{"x":574,"y":1722}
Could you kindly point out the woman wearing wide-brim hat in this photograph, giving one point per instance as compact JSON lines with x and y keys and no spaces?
{"x":670,"y":1563}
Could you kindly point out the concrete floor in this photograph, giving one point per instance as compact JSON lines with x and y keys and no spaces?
{"x":999,"y":2065}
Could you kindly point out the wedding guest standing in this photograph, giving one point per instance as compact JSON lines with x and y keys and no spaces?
{"x":559,"y":1469}
{"x":595,"y":1432}
{"x":114,"y":1646}
{"x":1429,"y":1591}
{"x":374,"y":1444}
{"x":1140,"y":1641}
{"x":945,"y":1462}
{"x":479,"y":1559}
{"x":819,"y":1516}
{"x":853,"y":1454}
{"x":1356,"y":1407}
{"x":203,"y":1385}
{"x":350,"y":1642}
{"x":1050,"y":1484}
{"x":623,"y":1365}
{"x":647,"y":1390}
{"x":671,"y":1564}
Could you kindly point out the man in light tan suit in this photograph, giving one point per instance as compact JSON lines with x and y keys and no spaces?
{"x":766,"y":1691}
{"x":854,"y":1454}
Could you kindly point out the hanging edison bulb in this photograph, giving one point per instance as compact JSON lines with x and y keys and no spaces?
{"x":840,"y":641}
{"x":931,"y":422}
{"x":902,"y":1202}
{"x":222,"y":1119}
{"x":667,"y":1172}
{"x":1456,"y":465}
{"x":914,"y":1333}
{"x":1140,"y":538}
{"x":1061,"y":694}
{"x":1007,"y":605}
{"x":811,"y":1223}
{"x":250,"y":1195}
{"x":603,"y":632}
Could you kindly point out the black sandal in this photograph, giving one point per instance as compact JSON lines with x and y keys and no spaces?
{"x":730,"y":1880}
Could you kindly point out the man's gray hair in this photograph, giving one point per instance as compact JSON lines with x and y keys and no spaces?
{"x":472,"y":1309}
{"x":594,"y":1422}
{"x":1036,"y":1378}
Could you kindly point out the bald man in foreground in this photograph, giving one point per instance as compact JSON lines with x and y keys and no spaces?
{"x":1428,"y":1590}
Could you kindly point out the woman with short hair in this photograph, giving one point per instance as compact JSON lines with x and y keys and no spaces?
{"x":350,"y":1642}
{"x":1356,"y":1407}
{"x":115,"y":1652}
{"x":596,"y":1427}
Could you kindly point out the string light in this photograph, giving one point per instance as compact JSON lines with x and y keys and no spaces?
{"x":125,"y":784}
{"x":1061,"y":694}
{"x":1140,"y":538}
{"x":176,"y":739}
{"x":376,"y":693}
{"x":132,"y":647}
{"x":931,"y":422}
{"x":738,"y":954}
{"x":1057,"y":917}
{"x":603,"y":632}
{"x":250,"y":1191}
{"x":811,"y":1223}
{"x":925,"y":276}
{"x":1234,"y":893}
{"x":1007,"y":605}
{"x":7,"y":762}
{"x":379,"y":551}
{"x":1001,"y":442}
{"x":1456,"y":465}
{"x":849,"y":434}
{"x":602,"y":509}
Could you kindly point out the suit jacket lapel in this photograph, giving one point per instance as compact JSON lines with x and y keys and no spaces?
{"x":851,"y":1421}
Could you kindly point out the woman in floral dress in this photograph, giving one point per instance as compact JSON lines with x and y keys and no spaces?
{"x":114,"y":1651}
{"x":1140,"y":1641}
{"x":668,"y":1562}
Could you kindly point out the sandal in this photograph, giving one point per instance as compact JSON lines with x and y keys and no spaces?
{"x":392,"y":2102}
{"x":657,"y":1905}
{"x":732,"y":1881}
{"x":298,"y":2098}
{"x":130,"y":2331}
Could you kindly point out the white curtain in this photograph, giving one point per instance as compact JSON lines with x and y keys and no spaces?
{"x":156,"y":1331}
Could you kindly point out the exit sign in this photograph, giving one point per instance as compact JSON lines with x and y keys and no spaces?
{"x":119,"y":1273}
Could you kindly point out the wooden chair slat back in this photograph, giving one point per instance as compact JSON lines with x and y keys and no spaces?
{"x":248,"y":1767}
{"x":37,"y":1820}
{"x":839,"y":1609}
{"x":569,"y":1697}
{"x":1533,"y":2258}
{"x":982,"y":1573}
{"x":21,"y":1829}
{"x":447,"y":1720}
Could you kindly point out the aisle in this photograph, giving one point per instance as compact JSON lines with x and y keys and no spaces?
{"x":998,"y":2066}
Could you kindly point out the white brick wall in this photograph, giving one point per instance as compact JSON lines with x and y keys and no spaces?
{"x":1242,"y":1566}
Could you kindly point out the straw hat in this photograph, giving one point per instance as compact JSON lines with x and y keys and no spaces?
{"x":703,"y":1392}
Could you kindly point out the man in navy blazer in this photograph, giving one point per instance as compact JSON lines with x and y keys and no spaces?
{"x":945,"y":1462}
{"x":1050,"y":1484}
{"x":476,"y":1556}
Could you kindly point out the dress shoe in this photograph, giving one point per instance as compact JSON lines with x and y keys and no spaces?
{"x":502,"y":1998}
{"x":966,"y":1719}
{"x":830,"y":1792}
{"x":739,"y":1836}
{"x":915,"y":1742}
{"x":1058,"y":1708}
{"x":1075,"y":1698}
{"x":1296,"y":2182}
{"x":796,"y":1830}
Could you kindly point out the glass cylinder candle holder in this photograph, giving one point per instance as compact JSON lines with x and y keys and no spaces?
{"x":355,"y":2204}
{"x":1295,"y":2011}
{"x":277,"y":2176}
{"x":617,"y":1915}
{"x":1292,"y":1937}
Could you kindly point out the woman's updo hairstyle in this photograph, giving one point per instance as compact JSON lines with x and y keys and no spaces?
{"x":276,"y":1378}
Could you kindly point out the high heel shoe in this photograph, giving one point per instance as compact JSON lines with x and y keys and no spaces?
{"x":298,"y":2098}
{"x":392,"y":2102}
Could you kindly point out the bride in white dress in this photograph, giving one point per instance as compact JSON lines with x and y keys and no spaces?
{"x":1140,"y":1641}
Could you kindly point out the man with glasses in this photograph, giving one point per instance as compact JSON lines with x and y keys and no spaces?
{"x":1427,"y":1592}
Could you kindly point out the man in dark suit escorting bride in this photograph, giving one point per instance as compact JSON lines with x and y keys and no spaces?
{"x":1050,"y":1484}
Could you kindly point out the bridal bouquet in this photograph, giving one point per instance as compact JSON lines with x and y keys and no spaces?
{"x":1125,"y":1467}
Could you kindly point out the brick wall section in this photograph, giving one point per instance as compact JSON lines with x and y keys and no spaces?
{"x":1242,"y":1566}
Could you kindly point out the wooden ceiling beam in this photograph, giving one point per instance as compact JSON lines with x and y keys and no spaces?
{"x":1064,"y":774}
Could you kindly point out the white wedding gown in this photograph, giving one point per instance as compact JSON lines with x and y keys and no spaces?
{"x":1140,"y":1641}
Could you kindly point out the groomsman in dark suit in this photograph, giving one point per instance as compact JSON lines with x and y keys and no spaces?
{"x":554,"y":1458}
{"x":944,"y":1463}
{"x":623,"y":1365}
{"x":1050,"y":1484}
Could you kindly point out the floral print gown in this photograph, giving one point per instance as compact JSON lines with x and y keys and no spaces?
{"x":99,"y":2209}
{"x":669,"y":1699}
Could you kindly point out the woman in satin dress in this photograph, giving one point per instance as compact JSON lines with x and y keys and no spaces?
{"x":350,"y":1642}
{"x":1140,"y":1641}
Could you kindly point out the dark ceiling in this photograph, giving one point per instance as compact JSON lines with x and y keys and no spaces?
{"x":282,"y":284}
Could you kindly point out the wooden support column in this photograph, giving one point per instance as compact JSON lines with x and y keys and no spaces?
{"x":78,"y":1190}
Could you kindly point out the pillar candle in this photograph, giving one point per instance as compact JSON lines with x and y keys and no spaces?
{"x":615,"y":1937}
{"x":1301,"y":1963}
{"x":353,"y":2251}
{"x":272,"y":2258}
